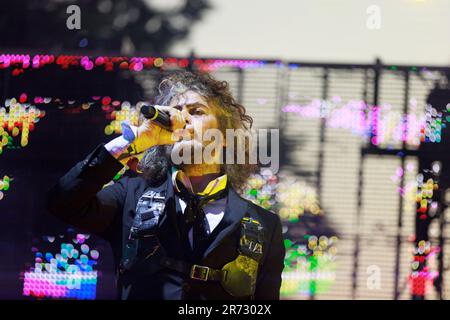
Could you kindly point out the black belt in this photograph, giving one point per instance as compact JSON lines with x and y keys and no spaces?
{"x":195,"y":271}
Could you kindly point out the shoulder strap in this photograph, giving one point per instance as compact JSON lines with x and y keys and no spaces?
{"x":252,"y":238}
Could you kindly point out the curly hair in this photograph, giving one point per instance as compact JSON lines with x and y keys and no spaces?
{"x":230,"y":115}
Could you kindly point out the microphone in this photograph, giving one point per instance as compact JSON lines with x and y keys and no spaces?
{"x":161,"y":118}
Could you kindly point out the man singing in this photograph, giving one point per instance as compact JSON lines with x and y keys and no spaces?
{"x":179,"y":230}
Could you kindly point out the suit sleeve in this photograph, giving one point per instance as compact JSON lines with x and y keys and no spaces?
{"x":78,"y":197}
{"x":269,"y":282}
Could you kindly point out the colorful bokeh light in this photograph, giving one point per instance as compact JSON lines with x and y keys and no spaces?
{"x":381,"y":124}
{"x":68,"y":273}
{"x":17,"y":120}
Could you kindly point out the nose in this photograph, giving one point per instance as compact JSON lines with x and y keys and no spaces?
{"x":186,"y":116}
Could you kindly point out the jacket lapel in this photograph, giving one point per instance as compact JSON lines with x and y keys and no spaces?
{"x":234,"y":212}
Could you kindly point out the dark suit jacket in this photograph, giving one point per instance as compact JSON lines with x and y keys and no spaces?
{"x":78,"y":199}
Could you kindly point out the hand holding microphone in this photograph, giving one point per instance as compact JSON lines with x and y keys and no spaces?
{"x":162,"y":125}
{"x":158,"y":128}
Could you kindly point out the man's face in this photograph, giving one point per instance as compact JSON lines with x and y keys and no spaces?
{"x":199,"y":116}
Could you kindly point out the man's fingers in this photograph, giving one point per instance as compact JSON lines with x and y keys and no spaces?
{"x":177,"y":121}
{"x":176,"y":117}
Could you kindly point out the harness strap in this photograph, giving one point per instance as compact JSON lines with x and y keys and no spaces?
{"x":195,"y":271}
{"x":252,"y":238}
{"x":250,"y":247}
{"x":238,"y":277}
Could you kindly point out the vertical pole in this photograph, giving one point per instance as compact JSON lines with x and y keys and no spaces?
{"x":377,"y":73}
{"x":402,"y":186}
{"x":240,"y":92}
{"x":323,"y":121}
{"x":441,"y":214}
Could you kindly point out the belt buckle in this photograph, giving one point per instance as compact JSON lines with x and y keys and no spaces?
{"x":199,"y":272}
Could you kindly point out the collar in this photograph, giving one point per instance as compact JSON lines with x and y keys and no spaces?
{"x":214,"y":186}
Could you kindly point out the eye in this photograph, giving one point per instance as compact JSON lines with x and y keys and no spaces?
{"x":197,"y":111}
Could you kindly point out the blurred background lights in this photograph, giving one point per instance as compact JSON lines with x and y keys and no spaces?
{"x":436,"y":167}
{"x":4,"y":185}
{"x":63,"y":275}
{"x":381,"y":122}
